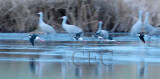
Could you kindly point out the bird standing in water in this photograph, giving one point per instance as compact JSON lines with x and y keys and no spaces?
{"x":45,"y":27}
{"x":147,"y":27}
{"x":72,"y":29}
{"x":136,"y":28}
{"x":102,"y":33}
{"x":33,"y":37}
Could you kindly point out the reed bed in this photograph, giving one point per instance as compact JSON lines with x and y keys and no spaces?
{"x":117,"y":15}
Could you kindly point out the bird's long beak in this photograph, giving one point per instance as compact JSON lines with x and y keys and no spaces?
{"x":81,"y":39}
{"x":138,"y":34}
{"x":60,"y":18}
{"x":37,"y":13}
{"x":39,"y":39}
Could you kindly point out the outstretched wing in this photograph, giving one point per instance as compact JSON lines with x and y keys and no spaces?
{"x":98,"y":33}
{"x":32,"y":41}
{"x":33,"y":38}
{"x":142,"y":38}
{"x":78,"y":34}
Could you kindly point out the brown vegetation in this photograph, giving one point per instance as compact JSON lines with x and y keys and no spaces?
{"x":117,"y":15}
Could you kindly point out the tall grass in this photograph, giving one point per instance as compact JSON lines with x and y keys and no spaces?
{"x":117,"y":15}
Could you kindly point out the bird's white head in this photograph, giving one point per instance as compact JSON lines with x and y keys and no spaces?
{"x":140,"y":11}
{"x":138,"y":34}
{"x":147,"y":13}
{"x":100,"y":37}
{"x":40,"y":13}
{"x":30,"y":36}
{"x":37,"y":38}
{"x":64,"y":17}
{"x":100,"y":22}
{"x":81,"y":39}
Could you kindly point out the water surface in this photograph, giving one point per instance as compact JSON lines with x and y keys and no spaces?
{"x":60,"y":57}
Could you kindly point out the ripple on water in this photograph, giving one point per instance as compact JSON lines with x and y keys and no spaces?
{"x":130,"y":48}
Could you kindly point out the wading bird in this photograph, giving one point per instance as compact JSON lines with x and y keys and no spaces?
{"x":33,"y":37}
{"x":136,"y":28}
{"x":147,"y":27}
{"x":155,"y":32}
{"x":72,"y":29}
{"x":45,"y":27}
{"x":102,"y":33}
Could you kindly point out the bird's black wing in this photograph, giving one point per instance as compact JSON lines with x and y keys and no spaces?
{"x":142,"y":38}
{"x":78,"y":34}
{"x":98,"y":33}
{"x":110,"y":38}
{"x":33,"y":38}
{"x":32,"y":41}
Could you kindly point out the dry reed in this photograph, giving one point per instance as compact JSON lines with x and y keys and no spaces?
{"x":117,"y":15}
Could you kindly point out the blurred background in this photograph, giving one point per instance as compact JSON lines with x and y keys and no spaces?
{"x":117,"y":15}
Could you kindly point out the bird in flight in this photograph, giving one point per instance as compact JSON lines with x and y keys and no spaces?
{"x":141,"y":36}
{"x":33,"y":37}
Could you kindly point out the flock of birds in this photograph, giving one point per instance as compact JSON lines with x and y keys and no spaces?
{"x":100,"y":34}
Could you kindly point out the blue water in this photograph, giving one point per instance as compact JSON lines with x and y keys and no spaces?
{"x":63,"y":58}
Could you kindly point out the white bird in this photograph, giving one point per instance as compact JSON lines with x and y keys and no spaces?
{"x":103,"y":33}
{"x":155,"y":32}
{"x":72,"y":29}
{"x":45,"y":27}
{"x":136,"y":28}
{"x":147,"y":27}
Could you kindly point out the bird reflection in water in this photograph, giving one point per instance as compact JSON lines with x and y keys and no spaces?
{"x":32,"y":65}
{"x":78,"y":72}
{"x":142,"y":71}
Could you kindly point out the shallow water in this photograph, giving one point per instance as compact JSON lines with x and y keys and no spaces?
{"x":60,"y":57}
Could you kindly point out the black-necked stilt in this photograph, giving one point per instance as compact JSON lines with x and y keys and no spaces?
{"x":78,"y":36}
{"x":33,"y":37}
{"x":141,"y":36}
{"x":97,"y":35}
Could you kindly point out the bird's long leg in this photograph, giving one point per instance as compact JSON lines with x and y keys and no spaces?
{"x":149,"y":39}
{"x":117,"y":42}
{"x":107,"y":41}
{"x":73,"y":37}
{"x":103,"y":40}
{"x":48,"y":38}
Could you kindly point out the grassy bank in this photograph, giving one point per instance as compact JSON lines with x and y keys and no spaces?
{"x":117,"y":15}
